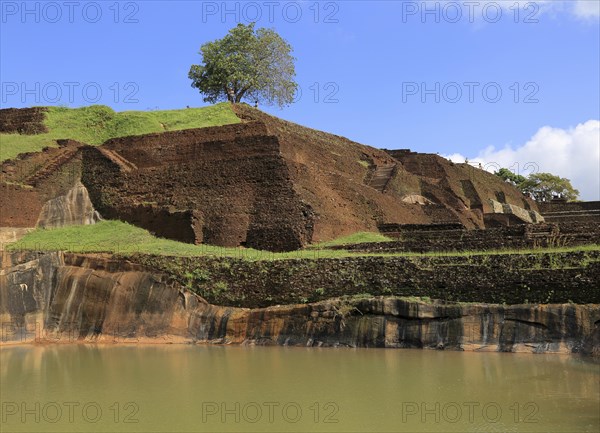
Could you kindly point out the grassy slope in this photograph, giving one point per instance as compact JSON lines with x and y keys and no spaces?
{"x":355,"y":238}
{"x":122,"y":238}
{"x":97,"y":123}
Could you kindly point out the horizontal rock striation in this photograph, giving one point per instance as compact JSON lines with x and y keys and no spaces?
{"x":59,"y":297}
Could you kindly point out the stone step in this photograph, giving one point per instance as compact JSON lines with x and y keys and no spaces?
{"x":381,"y":177}
{"x":125,"y":165}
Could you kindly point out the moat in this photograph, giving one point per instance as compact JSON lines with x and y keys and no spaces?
{"x":239,"y":389}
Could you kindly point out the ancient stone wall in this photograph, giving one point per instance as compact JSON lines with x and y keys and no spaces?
{"x":568,"y":206}
{"x":451,"y":238}
{"x":562,"y":211}
{"x":509,"y":278}
{"x":397,"y":230}
{"x":208,"y":144}
{"x":233,"y":176}
{"x":23,"y":120}
{"x":182,"y":226}
{"x":21,"y":206}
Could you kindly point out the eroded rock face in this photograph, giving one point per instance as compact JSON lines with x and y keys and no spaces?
{"x":511,"y":213}
{"x":72,"y":208}
{"x":12,"y":234}
{"x":59,"y":297}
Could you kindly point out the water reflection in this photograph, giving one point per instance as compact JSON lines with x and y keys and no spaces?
{"x":214,"y":388}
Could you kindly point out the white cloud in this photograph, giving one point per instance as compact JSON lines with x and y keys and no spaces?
{"x":584,"y":9}
{"x":587,"y":8}
{"x":524,"y":9}
{"x":573,"y":153}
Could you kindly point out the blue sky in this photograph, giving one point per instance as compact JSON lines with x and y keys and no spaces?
{"x":388,"y":73}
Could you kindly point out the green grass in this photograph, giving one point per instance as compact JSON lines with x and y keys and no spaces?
{"x":97,"y":123}
{"x":355,"y":238}
{"x":121,"y":238}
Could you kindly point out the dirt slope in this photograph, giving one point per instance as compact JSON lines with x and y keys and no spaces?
{"x":335,"y":176}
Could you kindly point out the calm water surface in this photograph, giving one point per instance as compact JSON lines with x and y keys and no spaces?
{"x":253,"y":389}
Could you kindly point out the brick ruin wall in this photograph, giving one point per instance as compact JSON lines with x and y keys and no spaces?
{"x":229,"y":184}
{"x":182,"y":226}
{"x":570,"y":206}
{"x":21,"y":206}
{"x":23,"y":120}
{"x":450,"y":237}
{"x":559,"y":211}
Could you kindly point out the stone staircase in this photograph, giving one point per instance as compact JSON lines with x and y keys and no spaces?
{"x":381,"y":176}
{"x":50,"y":166}
{"x":125,"y":165}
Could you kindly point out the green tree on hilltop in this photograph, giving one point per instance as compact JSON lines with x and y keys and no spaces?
{"x":540,"y":186}
{"x":509,"y":176}
{"x":247,"y":64}
{"x":546,"y":186}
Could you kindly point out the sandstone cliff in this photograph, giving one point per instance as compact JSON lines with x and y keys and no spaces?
{"x":59,"y":297}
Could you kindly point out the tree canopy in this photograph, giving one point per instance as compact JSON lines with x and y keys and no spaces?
{"x":541,"y":186}
{"x":247,"y":64}
{"x":545,"y":186}
{"x":509,"y":176}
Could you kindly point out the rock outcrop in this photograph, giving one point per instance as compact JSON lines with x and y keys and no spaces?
{"x":59,"y":297}
{"x":505,"y":214}
{"x":73,"y":208}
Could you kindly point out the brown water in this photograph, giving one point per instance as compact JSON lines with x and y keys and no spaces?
{"x":243,"y":389}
